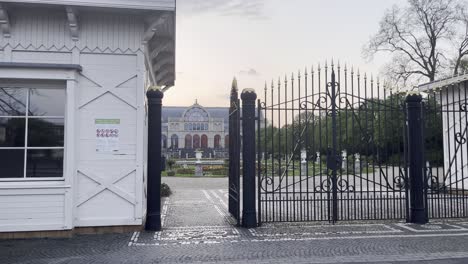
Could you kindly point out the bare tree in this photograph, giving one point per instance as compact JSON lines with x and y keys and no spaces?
{"x":421,"y":37}
{"x":462,"y":40}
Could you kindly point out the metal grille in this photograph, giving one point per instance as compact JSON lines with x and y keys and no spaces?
{"x":331,"y":147}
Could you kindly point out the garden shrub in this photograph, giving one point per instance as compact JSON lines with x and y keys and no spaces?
{"x":165,"y":190}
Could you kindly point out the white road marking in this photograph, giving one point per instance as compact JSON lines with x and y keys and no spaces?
{"x":220,"y":199}
{"x":207,"y":196}
{"x":454,"y":228}
{"x":219,"y":211}
{"x":301,"y":239}
{"x":164,"y":212}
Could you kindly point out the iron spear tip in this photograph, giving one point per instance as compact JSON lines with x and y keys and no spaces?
{"x":234,"y":84}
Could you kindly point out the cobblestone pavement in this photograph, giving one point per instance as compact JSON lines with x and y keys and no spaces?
{"x":198,"y":229}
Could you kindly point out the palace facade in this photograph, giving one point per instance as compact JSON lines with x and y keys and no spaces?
{"x":186,"y":129}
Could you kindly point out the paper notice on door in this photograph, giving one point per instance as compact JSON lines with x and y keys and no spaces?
{"x":107,"y":135}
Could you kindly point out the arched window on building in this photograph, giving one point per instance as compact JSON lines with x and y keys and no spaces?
{"x":174,"y":142}
{"x":164,"y":141}
{"x":188,"y":141}
{"x":197,"y":118}
{"x":226,"y":141}
{"x":204,"y":141}
{"x":217,"y":141}
{"x":196,"y":141}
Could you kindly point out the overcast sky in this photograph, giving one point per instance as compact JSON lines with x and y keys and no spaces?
{"x":257,"y":40}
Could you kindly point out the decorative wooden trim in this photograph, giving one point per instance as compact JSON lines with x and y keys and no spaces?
{"x":152,"y":28}
{"x":440,"y":84}
{"x":5,"y":22}
{"x":72,"y":22}
{"x":168,"y":5}
{"x":163,"y":60}
{"x":49,"y":66}
{"x":165,"y":70}
{"x":84,"y":49}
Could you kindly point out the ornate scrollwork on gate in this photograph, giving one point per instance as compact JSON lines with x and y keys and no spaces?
{"x":327,"y":111}
{"x":460,"y":138}
{"x":464,"y":107}
{"x":342,"y":184}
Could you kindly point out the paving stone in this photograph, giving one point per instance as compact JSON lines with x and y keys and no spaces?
{"x":198,"y":229}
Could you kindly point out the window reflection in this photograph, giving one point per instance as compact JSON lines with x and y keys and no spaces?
{"x":11,"y":163}
{"x":12,"y":132}
{"x":44,"y":163}
{"x":40,"y":114}
{"x":46,"y":102}
{"x":12,"y":101}
{"x":45,"y":132}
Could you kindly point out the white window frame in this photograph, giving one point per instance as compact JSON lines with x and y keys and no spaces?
{"x":52,"y":74}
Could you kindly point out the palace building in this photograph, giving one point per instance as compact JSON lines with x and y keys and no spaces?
{"x":186,"y":129}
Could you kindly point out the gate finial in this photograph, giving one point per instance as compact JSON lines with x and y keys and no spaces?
{"x":234,"y":85}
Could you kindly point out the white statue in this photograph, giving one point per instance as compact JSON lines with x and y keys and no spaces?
{"x":317,"y":160}
{"x":303,"y":156}
{"x":344,"y":159}
{"x":357,"y":163}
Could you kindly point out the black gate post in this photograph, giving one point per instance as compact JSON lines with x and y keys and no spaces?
{"x":415,"y":159}
{"x":234,"y":153}
{"x":249,"y":214}
{"x":153,"y":214}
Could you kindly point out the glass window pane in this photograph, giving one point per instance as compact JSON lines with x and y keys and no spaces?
{"x":12,"y":101}
{"x":45,"y":132}
{"x":11,"y":163}
{"x":44,"y":163}
{"x":12,"y":132}
{"x":47,"y":102}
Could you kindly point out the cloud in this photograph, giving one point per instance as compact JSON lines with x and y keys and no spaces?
{"x":252,"y":9}
{"x":250,"y":72}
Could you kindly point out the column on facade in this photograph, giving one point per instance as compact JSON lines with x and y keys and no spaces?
{"x":210,"y":139}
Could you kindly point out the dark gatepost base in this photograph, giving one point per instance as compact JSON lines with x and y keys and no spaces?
{"x":417,"y":190}
{"x":153,"y":218}
{"x":249,"y":214}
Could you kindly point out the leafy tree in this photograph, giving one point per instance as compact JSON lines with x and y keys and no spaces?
{"x":374,"y":128}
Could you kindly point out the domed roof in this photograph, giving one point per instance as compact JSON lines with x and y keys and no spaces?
{"x":196,"y":113}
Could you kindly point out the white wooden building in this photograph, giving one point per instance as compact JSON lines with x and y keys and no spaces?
{"x":452,"y":97}
{"x":70,"y":70}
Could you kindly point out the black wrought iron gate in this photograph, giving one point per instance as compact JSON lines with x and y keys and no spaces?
{"x":234,"y":154}
{"x":331,"y":147}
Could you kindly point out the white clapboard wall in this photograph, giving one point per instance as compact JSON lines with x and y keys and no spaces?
{"x":455,"y":150}
{"x":99,"y":189}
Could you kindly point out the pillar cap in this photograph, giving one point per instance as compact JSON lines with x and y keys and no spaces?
{"x":248,"y":94}
{"x":154,"y":92}
{"x":413,"y":96}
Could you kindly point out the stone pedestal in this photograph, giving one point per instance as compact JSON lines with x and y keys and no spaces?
{"x":303,"y":168}
{"x":357,"y":164}
{"x":198,"y":170}
{"x":198,"y":165}
{"x":303,"y":162}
